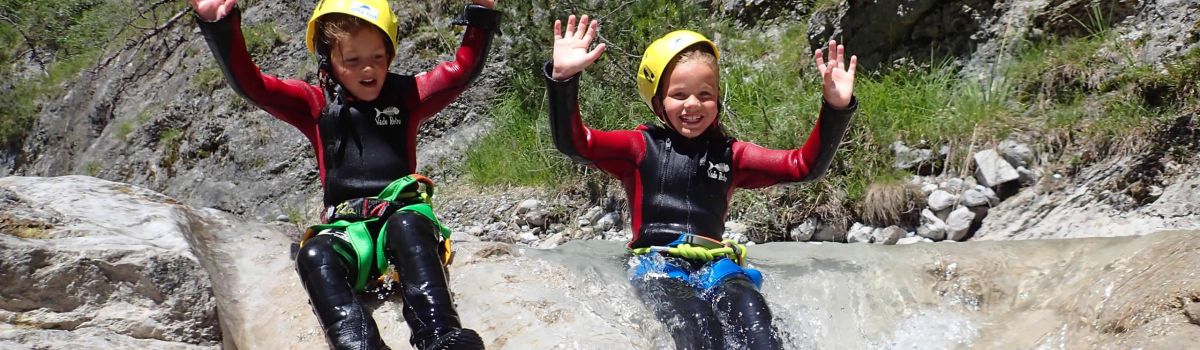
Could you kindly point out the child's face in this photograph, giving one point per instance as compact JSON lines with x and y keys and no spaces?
{"x":690,"y":97}
{"x":360,"y":63}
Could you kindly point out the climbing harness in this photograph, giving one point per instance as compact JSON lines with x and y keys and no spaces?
{"x":721,"y":260}
{"x":695,"y":247}
{"x":351,"y":221}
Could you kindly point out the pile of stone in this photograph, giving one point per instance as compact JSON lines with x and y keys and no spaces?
{"x":601,"y":223}
{"x":534,"y":221}
{"x":951,"y":208}
{"x":958,"y":206}
{"x":955,"y":207}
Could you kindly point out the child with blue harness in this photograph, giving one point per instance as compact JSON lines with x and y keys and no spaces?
{"x":679,"y":177}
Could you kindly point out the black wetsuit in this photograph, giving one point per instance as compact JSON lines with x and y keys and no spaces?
{"x":677,"y":185}
{"x":361,"y":147}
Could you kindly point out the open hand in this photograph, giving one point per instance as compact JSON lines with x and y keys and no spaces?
{"x":837,"y":76}
{"x":491,"y":4}
{"x":212,"y":10}
{"x":571,"y":54}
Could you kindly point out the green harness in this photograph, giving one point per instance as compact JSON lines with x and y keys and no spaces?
{"x":405,"y":193}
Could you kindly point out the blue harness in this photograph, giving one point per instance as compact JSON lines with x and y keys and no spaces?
{"x":660,"y":262}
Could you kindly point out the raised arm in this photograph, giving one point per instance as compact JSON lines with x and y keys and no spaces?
{"x":439,"y":87}
{"x":293,"y":101}
{"x":612,"y":151}
{"x":757,"y":166}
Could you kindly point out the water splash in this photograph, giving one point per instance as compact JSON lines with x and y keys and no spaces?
{"x":1044,"y":294}
{"x":935,"y":329}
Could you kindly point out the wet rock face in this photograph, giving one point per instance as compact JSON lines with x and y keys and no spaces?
{"x":752,"y":12}
{"x":1164,"y":25}
{"x":8,"y":159}
{"x":883,"y":31}
{"x":89,"y":261}
{"x":1075,"y":18}
{"x":979,"y":34}
{"x":1144,"y":181}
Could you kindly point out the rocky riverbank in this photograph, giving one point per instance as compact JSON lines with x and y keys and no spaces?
{"x":117,"y":266}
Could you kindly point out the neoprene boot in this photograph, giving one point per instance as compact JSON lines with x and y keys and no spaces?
{"x":428,"y":308}
{"x":326,"y":278}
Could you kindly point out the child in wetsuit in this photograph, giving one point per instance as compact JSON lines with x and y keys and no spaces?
{"x":362,"y":122}
{"x":679,"y":177}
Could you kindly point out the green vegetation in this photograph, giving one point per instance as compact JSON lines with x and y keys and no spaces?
{"x":295,"y":215}
{"x":31,"y":232}
{"x":519,"y":149}
{"x":169,"y":141}
{"x":126,"y":127}
{"x":1088,"y":88}
{"x":171,"y":137}
{"x":208,"y":78}
{"x":55,"y":40}
{"x":22,"y":98}
{"x":261,"y":38}
{"x":92,"y":168}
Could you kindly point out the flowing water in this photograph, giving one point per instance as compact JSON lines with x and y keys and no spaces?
{"x":1120,"y":293}
{"x":1097,"y":293}
{"x":1048,"y":294}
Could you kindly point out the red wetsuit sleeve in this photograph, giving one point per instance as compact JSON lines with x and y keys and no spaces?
{"x":615,"y":152}
{"x":293,"y":101}
{"x":439,"y":87}
{"x":756,"y":166}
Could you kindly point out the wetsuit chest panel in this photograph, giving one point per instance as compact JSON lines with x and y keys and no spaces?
{"x":366,"y":145}
{"x":685,"y":185}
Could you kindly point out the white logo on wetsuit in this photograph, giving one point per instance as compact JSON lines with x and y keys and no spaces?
{"x":391,"y":119}
{"x":718,"y":171}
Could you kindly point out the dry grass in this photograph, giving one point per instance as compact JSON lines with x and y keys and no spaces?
{"x":892,"y":203}
{"x":24,"y":228}
{"x":833,"y":213}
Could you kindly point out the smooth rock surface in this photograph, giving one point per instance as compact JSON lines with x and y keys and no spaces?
{"x":87,"y":261}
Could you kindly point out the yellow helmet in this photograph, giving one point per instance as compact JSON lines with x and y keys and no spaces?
{"x":375,"y":11}
{"x":659,"y":54}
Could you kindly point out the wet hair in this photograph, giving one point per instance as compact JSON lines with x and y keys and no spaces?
{"x":336,"y":27}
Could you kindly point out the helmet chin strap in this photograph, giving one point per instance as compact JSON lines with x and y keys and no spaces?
{"x":334,"y":90}
{"x":661,"y":113}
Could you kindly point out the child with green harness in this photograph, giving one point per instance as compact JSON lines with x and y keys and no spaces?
{"x":362,"y":122}
{"x":680,"y":175}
